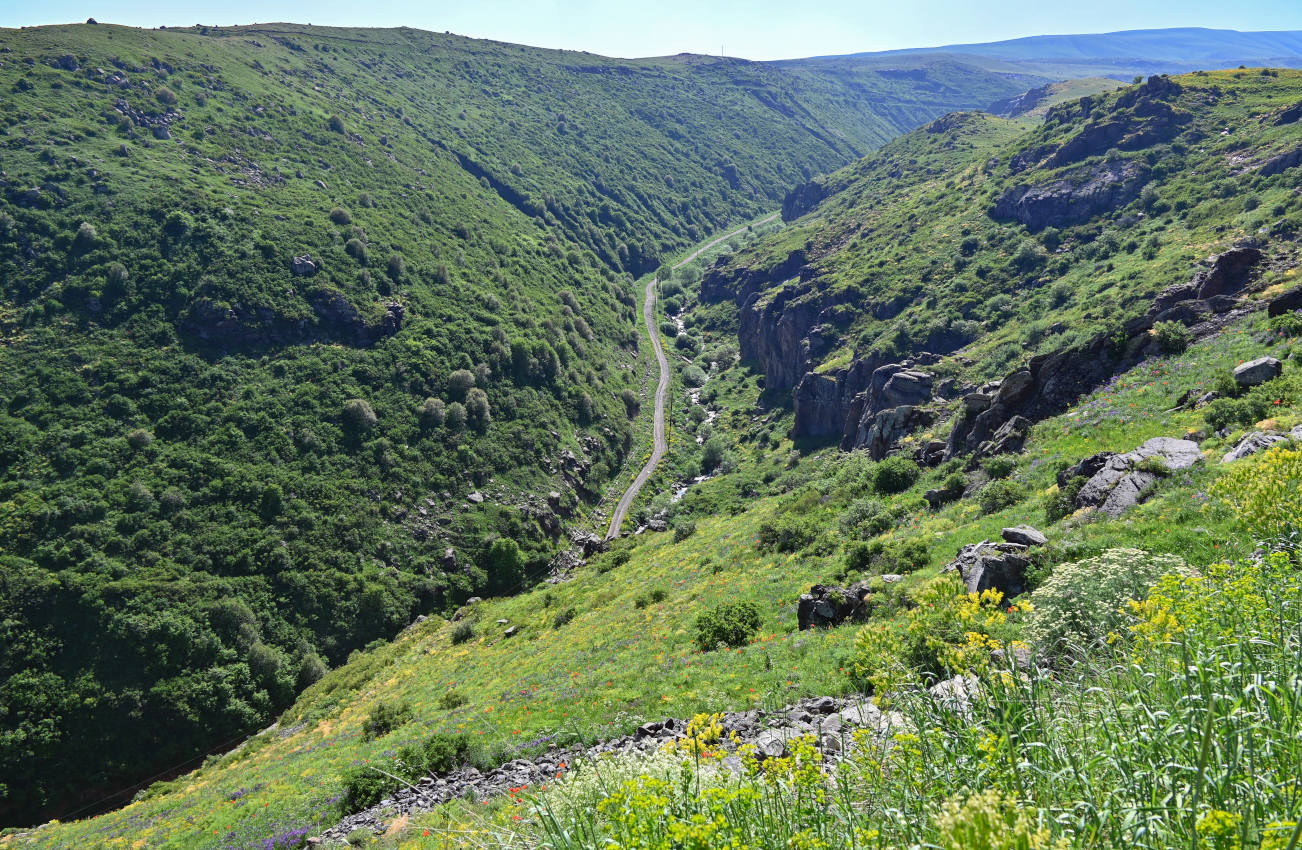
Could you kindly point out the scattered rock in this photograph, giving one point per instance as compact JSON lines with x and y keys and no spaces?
{"x":1025,"y":535}
{"x":67,"y":62}
{"x":956,"y":694}
{"x":511,"y":631}
{"x":1257,"y":441}
{"x":1257,"y":371}
{"x":475,"y":498}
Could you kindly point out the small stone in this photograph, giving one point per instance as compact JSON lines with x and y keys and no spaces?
{"x":475,"y":498}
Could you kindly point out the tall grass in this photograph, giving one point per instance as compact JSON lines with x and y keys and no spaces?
{"x":1186,"y":733}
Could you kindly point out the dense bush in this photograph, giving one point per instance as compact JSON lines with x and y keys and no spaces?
{"x":364,"y":786}
{"x":1001,"y":494}
{"x":787,"y":534}
{"x":1172,"y":337}
{"x":1266,"y":493}
{"x":730,"y":624}
{"x":880,"y":557}
{"x":894,"y":475}
{"x":462,"y":632}
{"x":1081,"y":603}
{"x":384,"y":718}
{"x":866,"y":517}
{"x":1062,"y":503}
{"x":1255,"y":404}
{"x":1000,"y":466}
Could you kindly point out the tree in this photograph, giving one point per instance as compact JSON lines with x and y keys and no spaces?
{"x":504,"y":565}
{"x":460,"y":382}
{"x":433,"y":413}
{"x":477,"y":409}
{"x":358,"y":417}
{"x":456,"y":416}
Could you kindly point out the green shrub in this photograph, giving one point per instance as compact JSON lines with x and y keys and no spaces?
{"x":866,"y":517}
{"x":998,"y":495}
{"x":1063,"y":503}
{"x":384,"y":718}
{"x":449,"y":700}
{"x":165,"y":96}
{"x":563,"y":617}
{"x":786,"y":534}
{"x":1000,"y":466}
{"x":618,"y":558}
{"x":651,"y":597}
{"x":730,"y":624}
{"x":1286,"y":325}
{"x":1172,"y":337}
{"x":339,"y":215}
{"x":1255,"y":404}
{"x":1080,"y":604}
{"x":879,"y":557}
{"x":952,"y":487}
{"x":463,"y":631}
{"x":1265,"y":493}
{"x":894,"y":475}
{"x":683,"y":529}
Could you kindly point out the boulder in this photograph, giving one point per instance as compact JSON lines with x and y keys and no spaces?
{"x":1228,"y":273}
{"x":986,"y":566}
{"x":1285,"y":302}
{"x":303,"y":266}
{"x":1281,"y":162}
{"x":1253,"y":442}
{"x":1257,"y":371}
{"x":907,"y":387}
{"x":825,"y":606}
{"x":588,"y":541}
{"x":977,"y":402}
{"x":67,"y":62}
{"x":1119,"y":485}
{"x":879,"y":431}
{"x":1073,"y":199}
{"x":1025,"y":535}
{"x":772,"y":743}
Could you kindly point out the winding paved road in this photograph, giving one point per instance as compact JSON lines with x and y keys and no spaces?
{"x":661,"y":445}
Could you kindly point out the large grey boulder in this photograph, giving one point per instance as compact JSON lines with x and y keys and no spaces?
{"x":1257,"y":371}
{"x":825,"y":606}
{"x":303,"y":266}
{"x":1120,"y":484}
{"x":1025,"y":535}
{"x":992,"y":566}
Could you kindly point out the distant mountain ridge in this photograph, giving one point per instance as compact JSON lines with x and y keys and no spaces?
{"x":1116,"y":54}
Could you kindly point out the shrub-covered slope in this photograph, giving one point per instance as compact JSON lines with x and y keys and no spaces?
{"x":301,"y":327}
{"x":976,"y":245}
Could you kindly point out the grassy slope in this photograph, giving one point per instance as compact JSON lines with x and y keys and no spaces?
{"x":498,"y":194}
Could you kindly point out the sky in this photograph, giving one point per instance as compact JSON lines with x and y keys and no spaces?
{"x":758,"y":29}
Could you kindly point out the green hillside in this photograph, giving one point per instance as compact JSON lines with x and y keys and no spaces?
{"x":1108,"y":267}
{"x":309,"y":331}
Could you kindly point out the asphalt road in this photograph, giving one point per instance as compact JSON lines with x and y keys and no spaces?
{"x":661,"y":444}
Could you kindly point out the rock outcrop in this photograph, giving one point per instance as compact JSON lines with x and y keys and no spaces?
{"x":1285,"y":302}
{"x":1073,"y":199}
{"x":803,"y":199}
{"x":1123,"y":480}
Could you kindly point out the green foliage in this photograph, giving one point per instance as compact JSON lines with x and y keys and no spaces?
{"x":563,"y":617}
{"x":880,"y":557}
{"x":730,"y":624}
{"x":1256,"y":404}
{"x":1062,"y":503}
{"x":462,"y":632}
{"x":1172,"y":337}
{"x":894,"y":475}
{"x":694,"y":376}
{"x":1266,"y":493}
{"x":1286,"y":325}
{"x":364,"y":785}
{"x":1082,"y":603}
{"x":683,"y":529}
{"x":866,"y":517}
{"x":998,"y":495}
{"x":384,"y":718}
{"x":1000,"y":466}
{"x":786,"y":534}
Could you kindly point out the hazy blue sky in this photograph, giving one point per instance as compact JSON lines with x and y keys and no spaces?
{"x":758,"y":29}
